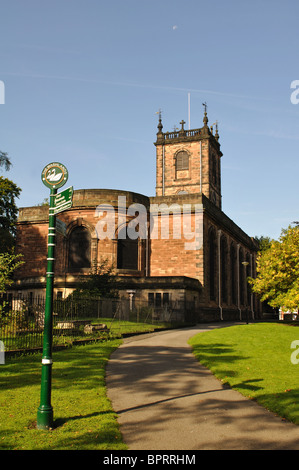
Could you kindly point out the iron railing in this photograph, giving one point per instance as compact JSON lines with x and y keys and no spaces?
{"x":22,"y":319}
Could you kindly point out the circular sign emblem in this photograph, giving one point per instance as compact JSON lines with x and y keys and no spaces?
{"x":54,"y":175}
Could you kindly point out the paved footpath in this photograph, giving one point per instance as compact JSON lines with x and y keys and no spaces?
{"x":166,"y":400}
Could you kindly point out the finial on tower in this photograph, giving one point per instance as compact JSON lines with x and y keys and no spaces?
{"x":160,"y":135}
{"x":182,"y":131}
{"x":205,"y":119}
{"x":216,"y":133}
{"x":160,"y":126}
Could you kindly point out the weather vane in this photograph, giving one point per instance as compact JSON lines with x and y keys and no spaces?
{"x":205,"y":106}
{"x":160,"y":113}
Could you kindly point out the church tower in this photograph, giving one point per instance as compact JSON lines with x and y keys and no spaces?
{"x":188,"y":161}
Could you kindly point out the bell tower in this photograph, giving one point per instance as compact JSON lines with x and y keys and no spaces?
{"x":188,"y":161}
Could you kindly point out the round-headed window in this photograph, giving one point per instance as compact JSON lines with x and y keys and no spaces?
{"x":79,"y":249}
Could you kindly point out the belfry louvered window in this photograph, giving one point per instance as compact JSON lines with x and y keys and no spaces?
{"x":182,"y":161}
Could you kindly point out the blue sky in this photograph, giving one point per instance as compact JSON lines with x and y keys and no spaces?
{"x":84,"y":80}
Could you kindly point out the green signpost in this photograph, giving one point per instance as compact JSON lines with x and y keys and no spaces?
{"x":54,"y":176}
{"x":63,"y":200}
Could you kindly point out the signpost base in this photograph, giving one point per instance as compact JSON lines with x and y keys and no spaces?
{"x":44,"y":417}
{"x":45,"y":410}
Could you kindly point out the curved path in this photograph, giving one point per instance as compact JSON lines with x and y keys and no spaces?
{"x":166,"y":400}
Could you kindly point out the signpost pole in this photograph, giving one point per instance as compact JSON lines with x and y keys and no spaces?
{"x":45,"y":410}
{"x":54,"y":176}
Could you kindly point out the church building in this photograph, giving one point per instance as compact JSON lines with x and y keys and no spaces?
{"x":177,"y":246}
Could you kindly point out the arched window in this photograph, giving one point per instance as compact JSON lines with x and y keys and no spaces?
{"x":212,"y":264}
{"x":223,"y":248}
{"x":247,"y":274}
{"x":79,"y":249}
{"x":127,"y":251}
{"x":182,"y":161}
{"x":233,"y":275}
{"x":242,"y":277}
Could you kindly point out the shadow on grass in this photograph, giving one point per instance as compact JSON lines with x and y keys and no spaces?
{"x":58,"y":422}
{"x":217,"y":357}
{"x":284,"y":404}
{"x":80,"y":365}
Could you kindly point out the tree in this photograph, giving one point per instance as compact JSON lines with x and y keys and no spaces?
{"x":263,"y":242}
{"x":101,"y":282}
{"x":44,"y":203}
{"x":8,"y":209}
{"x":8,"y":263}
{"x":8,"y":213}
{"x":277,"y":279}
{"x":4,"y":160}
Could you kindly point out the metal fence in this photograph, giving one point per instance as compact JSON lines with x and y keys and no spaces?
{"x":22,"y":319}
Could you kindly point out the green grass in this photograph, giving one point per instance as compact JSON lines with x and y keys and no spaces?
{"x":83,"y":416}
{"x":121,"y":327}
{"x":255,"y":360}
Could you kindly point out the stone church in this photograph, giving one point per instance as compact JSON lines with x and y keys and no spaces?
{"x":177,"y":246}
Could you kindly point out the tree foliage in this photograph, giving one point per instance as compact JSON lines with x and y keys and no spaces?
{"x":277,"y":279}
{"x":8,"y":263}
{"x":9,"y":191}
{"x":4,"y":160}
{"x":263,"y":242}
{"x":101,"y":282}
{"x":8,"y":213}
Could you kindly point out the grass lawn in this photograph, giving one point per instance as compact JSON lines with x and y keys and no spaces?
{"x":120,"y":327}
{"x":83,"y":416}
{"x":255,"y":359}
